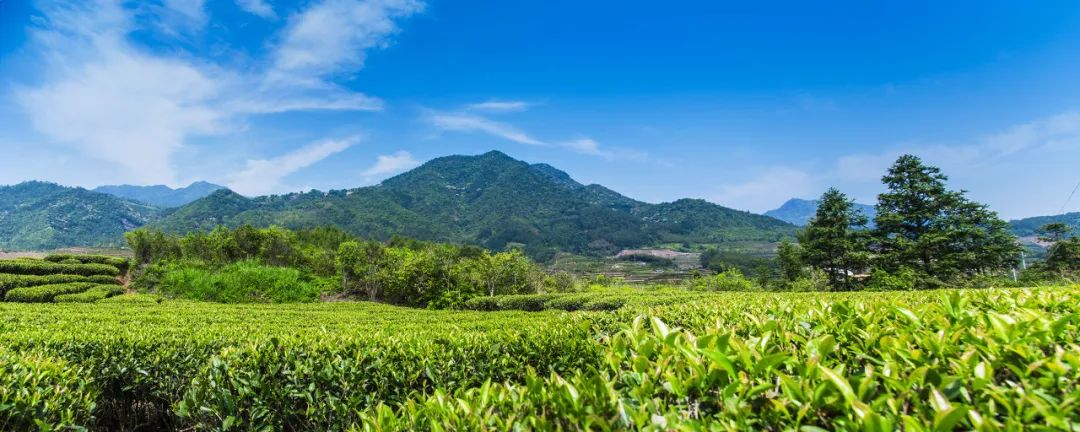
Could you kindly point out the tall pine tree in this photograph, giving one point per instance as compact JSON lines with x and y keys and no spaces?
{"x":834,"y":241}
{"x":924,"y":226}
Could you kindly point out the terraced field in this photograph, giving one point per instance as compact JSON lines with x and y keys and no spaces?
{"x":933,"y":360}
{"x":62,"y":278}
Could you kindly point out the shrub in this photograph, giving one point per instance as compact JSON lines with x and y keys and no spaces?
{"x":27,"y":267}
{"x":103,"y":280}
{"x":94,"y":294}
{"x":45,"y":293}
{"x":531,"y":303}
{"x":243,"y":282}
{"x":39,"y":392}
{"x":9,"y":281}
{"x":814,"y":280}
{"x":881,"y":280}
{"x":486,"y":303}
{"x":730,"y":280}
{"x":120,"y":263}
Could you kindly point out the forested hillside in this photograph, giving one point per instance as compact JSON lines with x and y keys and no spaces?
{"x":490,"y":200}
{"x":1030,"y":226}
{"x":39,"y":215}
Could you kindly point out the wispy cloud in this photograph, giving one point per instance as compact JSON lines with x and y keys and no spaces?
{"x":587,"y":146}
{"x":263,"y":176}
{"x":499,"y":106}
{"x":257,"y":7}
{"x":460,"y":122}
{"x":333,"y":37}
{"x":112,"y":100}
{"x":391,"y":164}
{"x":466,"y":119}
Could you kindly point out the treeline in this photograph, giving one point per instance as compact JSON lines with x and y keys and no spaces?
{"x":247,"y":264}
{"x":923,"y":235}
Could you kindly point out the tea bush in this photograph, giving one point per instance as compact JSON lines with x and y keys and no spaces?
{"x":34,"y":267}
{"x":45,"y":293}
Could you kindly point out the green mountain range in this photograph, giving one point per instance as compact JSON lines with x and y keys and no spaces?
{"x":161,"y":195}
{"x":490,"y":200}
{"x":40,"y":216}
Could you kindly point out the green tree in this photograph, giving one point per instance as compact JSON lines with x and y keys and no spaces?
{"x":1054,"y":232}
{"x":923,"y":225}
{"x":789,"y":259}
{"x":835,"y":239}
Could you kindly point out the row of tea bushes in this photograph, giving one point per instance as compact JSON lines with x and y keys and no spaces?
{"x":122,"y":264}
{"x":70,"y":278}
{"x":35,"y":267}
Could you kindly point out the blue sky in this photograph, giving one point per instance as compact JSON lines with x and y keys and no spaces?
{"x":744,"y":104}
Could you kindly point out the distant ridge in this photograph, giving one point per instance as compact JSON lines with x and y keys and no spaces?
{"x":1030,"y":226}
{"x":798,"y":211}
{"x":161,"y":195}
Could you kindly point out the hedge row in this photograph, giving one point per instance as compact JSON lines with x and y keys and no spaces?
{"x":539,"y":302}
{"x":92,"y":295}
{"x":119,"y":262}
{"x":45,"y":293}
{"x":607,"y":300}
{"x":28,"y":267}
{"x":39,"y":392}
{"x":9,"y":281}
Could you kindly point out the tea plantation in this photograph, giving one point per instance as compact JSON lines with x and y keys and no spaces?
{"x":991,"y":359}
{"x":62,"y":278}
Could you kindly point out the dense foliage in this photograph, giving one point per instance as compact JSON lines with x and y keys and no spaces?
{"x":279,"y":265}
{"x":1000,"y":359}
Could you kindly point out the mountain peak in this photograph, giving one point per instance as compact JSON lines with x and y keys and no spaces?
{"x":161,"y":195}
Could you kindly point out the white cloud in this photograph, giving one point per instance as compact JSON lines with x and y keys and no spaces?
{"x":471,"y":123}
{"x":257,"y":7}
{"x":499,"y":106}
{"x":587,"y":146}
{"x":391,"y":164}
{"x":263,"y":176}
{"x":334,"y":36}
{"x":99,"y":93}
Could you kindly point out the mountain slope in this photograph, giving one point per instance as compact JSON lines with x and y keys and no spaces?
{"x":161,"y":195}
{"x":1030,"y":226}
{"x":41,"y":216}
{"x":799,"y":211}
{"x":490,"y":200}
